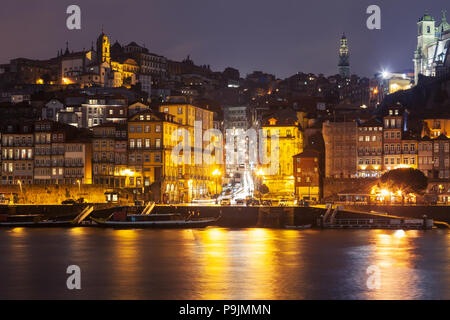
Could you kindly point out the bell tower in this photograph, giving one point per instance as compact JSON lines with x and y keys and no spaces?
{"x":103,"y":48}
{"x":426,"y":35}
{"x":344,"y":58}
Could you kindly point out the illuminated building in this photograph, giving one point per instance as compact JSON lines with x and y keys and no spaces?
{"x":393,"y":133}
{"x":100,"y":109}
{"x":340,"y":149}
{"x":280,"y":178}
{"x":344,"y":58}
{"x":370,"y":149}
{"x":409,"y":151}
{"x":432,"y":54}
{"x":441,"y":157}
{"x":78,"y":161}
{"x":46,"y":152}
{"x":307,"y":175}
{"x":195,"y":179}
{"x":434,"y":127}
{"x":425,"y":156}
{"x":110,"y":157}
{"x":18,"y":154}
{"x":150,"y":157}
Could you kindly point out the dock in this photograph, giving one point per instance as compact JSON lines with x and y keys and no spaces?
{"x":330,"y":221}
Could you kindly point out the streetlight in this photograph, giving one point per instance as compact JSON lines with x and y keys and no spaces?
{"x":216,"y":173}
{"x":79,"y":185}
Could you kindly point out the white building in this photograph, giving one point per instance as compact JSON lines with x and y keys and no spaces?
{"x":432,"y":54}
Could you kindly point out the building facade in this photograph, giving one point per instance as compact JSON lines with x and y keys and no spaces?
{"x":340,"y":149}
{"x":370,"y":149}
{"x":432,"y":55}
{"x":307,"y":175}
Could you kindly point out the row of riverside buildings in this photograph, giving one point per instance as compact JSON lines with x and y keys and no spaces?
{"x":131,"y":151}
{"x":355,"y":149}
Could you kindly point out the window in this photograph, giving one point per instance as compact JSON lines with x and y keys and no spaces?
{"x":158,"y":128}
{"x":158,"y":143}
{"x":131,"y":143}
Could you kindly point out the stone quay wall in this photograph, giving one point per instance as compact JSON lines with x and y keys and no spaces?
{"x":55,"y":194}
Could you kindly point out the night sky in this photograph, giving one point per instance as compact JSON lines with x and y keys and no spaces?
{"x":281,"y":37}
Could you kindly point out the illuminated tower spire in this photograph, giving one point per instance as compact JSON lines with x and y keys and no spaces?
{"x":344,"y":58}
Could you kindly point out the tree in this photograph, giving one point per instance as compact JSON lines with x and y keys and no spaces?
{"x":264,"y":189}
{"x":408,"y":180}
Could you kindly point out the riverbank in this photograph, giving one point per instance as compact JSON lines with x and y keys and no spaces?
{"x":243,"y":217}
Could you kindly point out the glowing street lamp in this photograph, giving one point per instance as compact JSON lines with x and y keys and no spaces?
{"x":216,"y":173}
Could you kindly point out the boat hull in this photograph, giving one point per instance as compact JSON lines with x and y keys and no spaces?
{"x":176,"y":224}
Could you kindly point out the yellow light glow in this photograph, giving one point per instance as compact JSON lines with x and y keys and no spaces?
{"x":385,"y":192}
{"x":39,"y":81}
{"x":127,"y":172}
{"x":402,"y":166}
{"x":399,"y":234}
{"x":66,"y":81}
{"x":216,"y":173}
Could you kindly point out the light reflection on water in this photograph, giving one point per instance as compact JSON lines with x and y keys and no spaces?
{"x":216,"y":263}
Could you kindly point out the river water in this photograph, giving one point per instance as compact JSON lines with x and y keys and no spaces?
{"x":216,"y":263}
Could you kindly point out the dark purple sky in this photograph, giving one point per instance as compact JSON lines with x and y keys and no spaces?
{"x":276,"y":36}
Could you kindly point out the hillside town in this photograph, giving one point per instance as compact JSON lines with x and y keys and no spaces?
{"x":106,"y":117}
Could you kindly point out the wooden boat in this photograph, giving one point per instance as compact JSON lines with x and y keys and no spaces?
{"x":169,"y":220}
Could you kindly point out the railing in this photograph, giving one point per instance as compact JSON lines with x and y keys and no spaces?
{"x":362,"y":221}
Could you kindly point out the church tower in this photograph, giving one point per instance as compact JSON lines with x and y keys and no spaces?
{"x":426,"y":35}
{"x":103,"y":49}
{"x":344,"y":58}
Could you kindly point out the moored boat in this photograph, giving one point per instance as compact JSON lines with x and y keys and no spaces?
{"x":168,"y":220}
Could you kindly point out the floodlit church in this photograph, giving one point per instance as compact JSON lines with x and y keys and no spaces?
{"x":98,"y":67}
{"x":432,"y":56}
